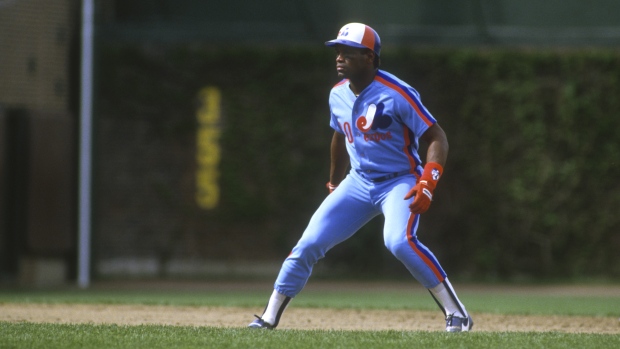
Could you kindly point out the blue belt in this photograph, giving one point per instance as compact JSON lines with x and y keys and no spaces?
{"x":383,"y":178}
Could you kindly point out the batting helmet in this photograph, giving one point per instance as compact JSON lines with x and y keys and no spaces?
{"x":358,"y":35}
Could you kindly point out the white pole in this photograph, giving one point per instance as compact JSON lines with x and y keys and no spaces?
{"x":86,"y":116}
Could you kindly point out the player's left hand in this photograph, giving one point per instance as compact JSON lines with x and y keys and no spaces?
{"x":422,"y":192}
{"x":423,"y":195}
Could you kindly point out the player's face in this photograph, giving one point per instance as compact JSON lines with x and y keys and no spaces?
{"x":352,"y":61}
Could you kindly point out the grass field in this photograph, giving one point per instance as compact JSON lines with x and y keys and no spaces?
{"x":556,"y":302}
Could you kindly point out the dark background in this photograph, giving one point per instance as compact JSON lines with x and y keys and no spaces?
{"x":527,"y":93}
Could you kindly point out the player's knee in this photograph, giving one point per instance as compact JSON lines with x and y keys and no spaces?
{"x":398,"y":247}
{"x":309,"y":249}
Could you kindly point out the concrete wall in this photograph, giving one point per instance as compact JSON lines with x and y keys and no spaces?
{"x":35,"y":44}
{"x":37,"y":140}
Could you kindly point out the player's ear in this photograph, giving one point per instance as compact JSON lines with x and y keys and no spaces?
{"x":370,"y":55}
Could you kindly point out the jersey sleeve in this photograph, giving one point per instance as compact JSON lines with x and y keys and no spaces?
{"x":333,"y":120}
{"x":334,"y":124}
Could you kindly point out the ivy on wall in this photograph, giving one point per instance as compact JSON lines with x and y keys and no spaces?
{"x":530,"y":189}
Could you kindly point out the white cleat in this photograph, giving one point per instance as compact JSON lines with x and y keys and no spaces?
{"x":458,"y":324}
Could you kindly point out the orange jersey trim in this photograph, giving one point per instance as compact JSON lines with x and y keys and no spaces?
{"x":408,"y":98}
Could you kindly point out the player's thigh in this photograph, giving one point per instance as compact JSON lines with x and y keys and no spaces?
{"x":393,"y":203}
{"x":341,"y":214}
{"x":397,"y":213}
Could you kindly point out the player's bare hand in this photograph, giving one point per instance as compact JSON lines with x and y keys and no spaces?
{"x":331,"y":187}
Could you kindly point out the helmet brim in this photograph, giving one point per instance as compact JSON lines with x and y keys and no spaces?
{"x":335,"y":42}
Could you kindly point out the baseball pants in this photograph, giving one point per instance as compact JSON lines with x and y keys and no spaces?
{"x":353,"y":204}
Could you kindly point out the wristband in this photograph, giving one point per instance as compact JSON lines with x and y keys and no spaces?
{"x":432,"y":173}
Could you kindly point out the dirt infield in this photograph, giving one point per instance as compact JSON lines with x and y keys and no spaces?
{"x":313,"y":318}
{"x":295,"y":318}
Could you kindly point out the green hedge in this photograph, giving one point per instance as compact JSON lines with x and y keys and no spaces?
{"x":534,"y":162}
{"x":530,"y":189}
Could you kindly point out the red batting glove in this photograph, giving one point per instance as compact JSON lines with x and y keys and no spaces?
{"x":331,"y":187}
{"x":423,"y":190}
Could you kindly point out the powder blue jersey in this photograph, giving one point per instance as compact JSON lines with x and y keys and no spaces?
{"x":382,"y":125}
{"x":381,"y":128}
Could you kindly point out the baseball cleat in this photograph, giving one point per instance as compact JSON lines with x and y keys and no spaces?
{"x":260,"y":323}
{"x":458,"y":324}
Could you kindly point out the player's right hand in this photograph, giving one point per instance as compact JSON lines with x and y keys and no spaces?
{"x":331,"y":187}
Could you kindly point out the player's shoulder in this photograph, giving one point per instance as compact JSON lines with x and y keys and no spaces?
{"x":340,"y":85}
{"x":339,"y":90}
{"x":395,"y":85}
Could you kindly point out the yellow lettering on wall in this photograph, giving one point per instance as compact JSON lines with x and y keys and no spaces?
{"x":208,"y":151}
{"x":209,"y":110}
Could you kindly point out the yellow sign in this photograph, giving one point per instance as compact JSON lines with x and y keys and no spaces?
{"x":208,"y":150}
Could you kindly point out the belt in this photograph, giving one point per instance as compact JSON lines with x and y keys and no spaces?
{"x":384,"y":178}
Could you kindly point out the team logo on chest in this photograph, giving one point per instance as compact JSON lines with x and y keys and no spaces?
{"x":372,"y":121}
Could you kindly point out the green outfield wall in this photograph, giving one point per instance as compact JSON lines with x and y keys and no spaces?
{"x":215,"y":154}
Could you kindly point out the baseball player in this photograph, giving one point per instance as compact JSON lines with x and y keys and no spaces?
{"x":378,"y":120}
